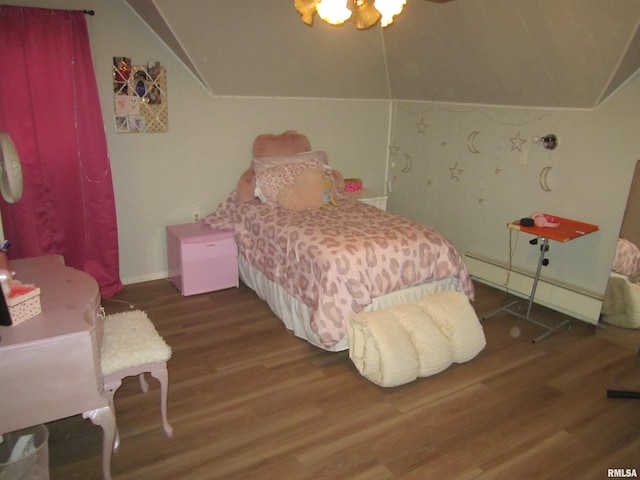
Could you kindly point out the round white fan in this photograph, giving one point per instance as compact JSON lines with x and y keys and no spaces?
{"x":10,"y":173}
{"x":10,"y":170}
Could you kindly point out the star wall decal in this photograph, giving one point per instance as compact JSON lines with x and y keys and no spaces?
{"x":498,"y":170}
{"x":393,"y":149}
{"x":517,"y":142}
{"x":456,"y":172}
{"x":422,"y":126}
{"x":481,"y":200}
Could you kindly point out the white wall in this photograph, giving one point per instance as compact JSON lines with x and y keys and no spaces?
{"x":163,"y":178}
{"x":589,"y":177}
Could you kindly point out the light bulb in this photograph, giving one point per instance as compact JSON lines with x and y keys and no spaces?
{"x":389,"y":9}
{"x":334,"y":12}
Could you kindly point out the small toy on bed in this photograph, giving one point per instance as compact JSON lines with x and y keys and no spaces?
{"x":328,"y":199}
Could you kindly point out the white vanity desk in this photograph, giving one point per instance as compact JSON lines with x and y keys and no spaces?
{"x":50,"y":364}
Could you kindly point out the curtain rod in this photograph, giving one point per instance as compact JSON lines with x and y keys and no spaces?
{"x":89,"y":12}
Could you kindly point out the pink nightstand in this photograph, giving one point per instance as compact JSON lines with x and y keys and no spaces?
{"x":201,"y":258}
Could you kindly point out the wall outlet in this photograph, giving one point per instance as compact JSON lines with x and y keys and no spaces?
{"x":196,"y":217}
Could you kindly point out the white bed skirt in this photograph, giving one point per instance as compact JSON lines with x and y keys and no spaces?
{"x":296,"y":315}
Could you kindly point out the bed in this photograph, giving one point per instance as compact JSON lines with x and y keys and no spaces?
{"x":318,"y":267}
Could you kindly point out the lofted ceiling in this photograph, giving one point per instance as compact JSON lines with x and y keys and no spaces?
{"x":545,"y":53}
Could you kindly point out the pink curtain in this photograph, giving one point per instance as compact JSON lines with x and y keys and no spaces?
{"x":49,"y":104}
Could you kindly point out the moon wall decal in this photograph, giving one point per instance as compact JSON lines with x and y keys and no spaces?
{"x":544,"y":182}
{"x":408,"y":163}
{"x":471,"y":139}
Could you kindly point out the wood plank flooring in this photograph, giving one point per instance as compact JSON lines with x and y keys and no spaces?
{"x":248,"y":400}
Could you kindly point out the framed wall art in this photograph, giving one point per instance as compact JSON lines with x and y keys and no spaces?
{"x":140,"y":97}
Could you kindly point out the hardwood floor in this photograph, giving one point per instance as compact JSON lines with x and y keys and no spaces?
{"x":248,"y":400}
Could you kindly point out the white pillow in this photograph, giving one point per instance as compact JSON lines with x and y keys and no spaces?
{"x":632,"y":304}
{"x":433,"y":347}
{"x":622,"y":303}
{"x":452,"y":312}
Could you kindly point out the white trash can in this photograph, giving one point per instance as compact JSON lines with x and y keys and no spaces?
{"x":24,"y":454}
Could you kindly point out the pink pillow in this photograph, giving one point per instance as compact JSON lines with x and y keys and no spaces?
{"x":261,"y":164}
{"x":307,"y":191}
{"x":269,"y":182}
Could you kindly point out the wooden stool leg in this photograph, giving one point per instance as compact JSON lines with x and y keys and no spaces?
{"x":110,"y":389}
{"x":105,"y":417}
{"x":143,"y":383}
{"x":163,"y":377}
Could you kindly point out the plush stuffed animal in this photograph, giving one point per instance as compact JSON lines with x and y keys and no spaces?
{"x":247,"y":186}
{"x":306,"y":192}
{"x":289,"y":142}
{"x":269,"y":145}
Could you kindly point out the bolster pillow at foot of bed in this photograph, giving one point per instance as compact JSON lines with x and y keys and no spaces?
{"x":395,"y":346}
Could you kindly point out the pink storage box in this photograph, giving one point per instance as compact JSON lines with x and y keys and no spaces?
{"x":352,"y":185}
{"x":24,"y":307}
{"x":201,"y":259}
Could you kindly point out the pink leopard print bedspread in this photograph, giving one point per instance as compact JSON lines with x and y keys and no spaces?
{"x":337,"y":260}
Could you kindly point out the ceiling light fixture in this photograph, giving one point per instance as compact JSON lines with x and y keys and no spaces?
{"x":364,"y":13}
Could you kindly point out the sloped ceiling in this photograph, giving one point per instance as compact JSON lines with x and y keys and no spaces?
{"x":546,"y":53}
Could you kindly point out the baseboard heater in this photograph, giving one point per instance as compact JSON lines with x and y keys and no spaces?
{"x":564,"y":298}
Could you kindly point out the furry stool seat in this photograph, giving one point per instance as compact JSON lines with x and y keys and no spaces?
{"x":396,"y":346}
{"x":131,"y":345}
